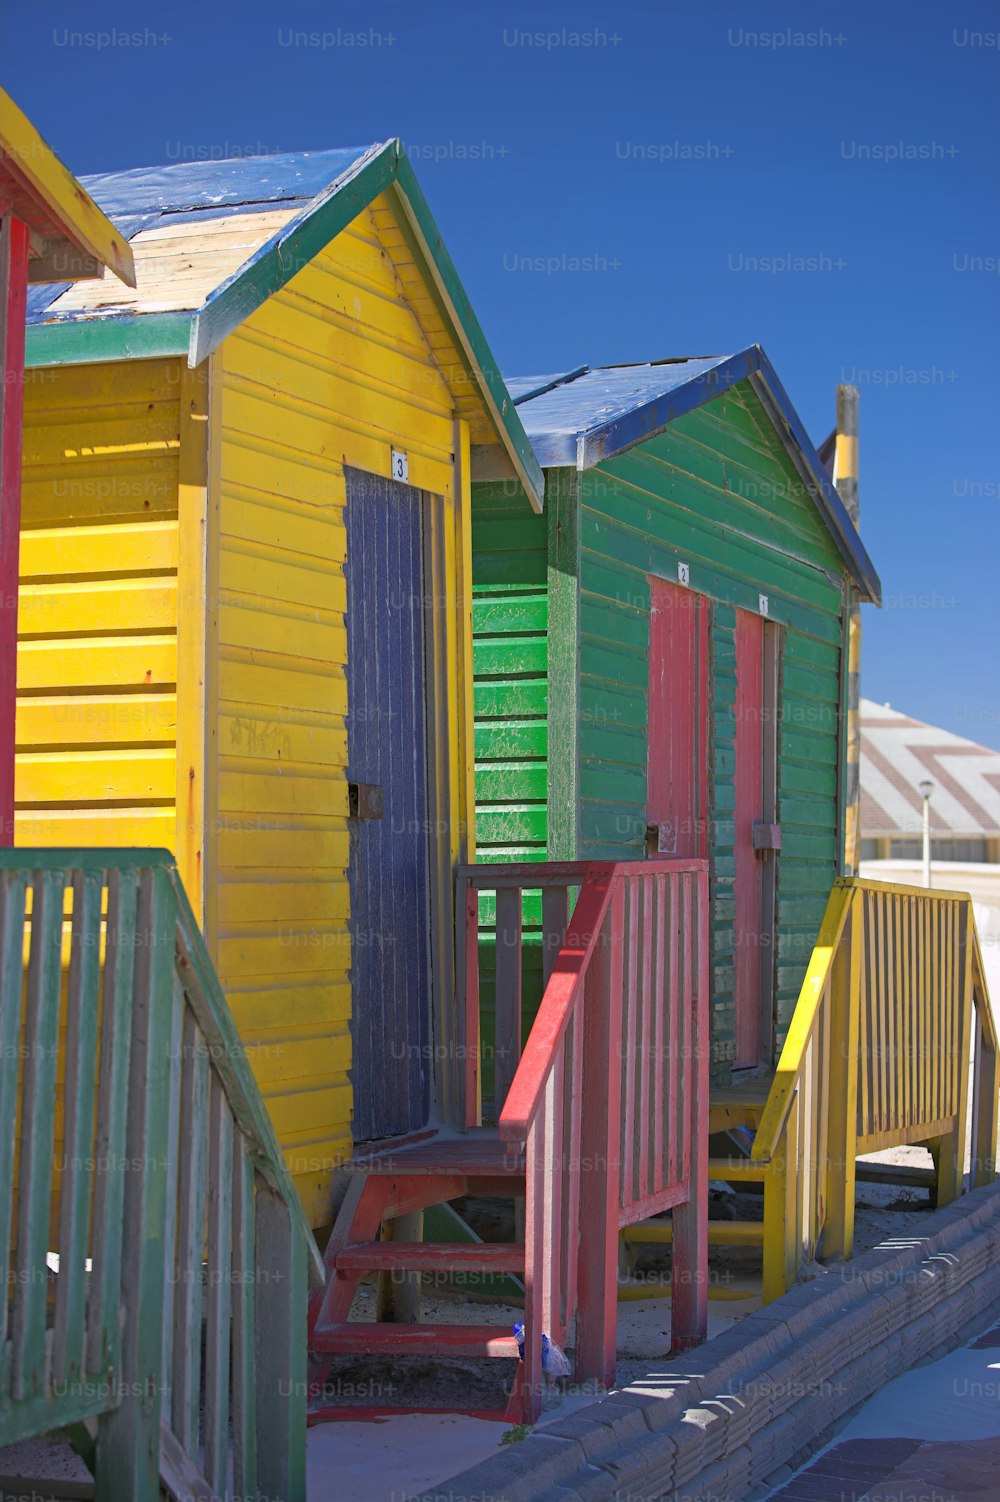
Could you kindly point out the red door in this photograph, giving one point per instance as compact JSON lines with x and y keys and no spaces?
{"x":677,"y":770}
{"x":747,"y":812}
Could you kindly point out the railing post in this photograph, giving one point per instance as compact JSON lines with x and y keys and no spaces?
{"x":507,"y":1008}
{"x":128,"y":1440}
{"x":781,"y":1217}
{"x":842,"y":1142}
{"x":469,"y":1072}
{"x":689,"y":1277}
{"x":600,"y":1151}
{"x":280,"y":1323}
{"x":985,"y":1085}
{"x":951,"y":1152}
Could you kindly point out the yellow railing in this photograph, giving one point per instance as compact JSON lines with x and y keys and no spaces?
{"x":893,"y":1007}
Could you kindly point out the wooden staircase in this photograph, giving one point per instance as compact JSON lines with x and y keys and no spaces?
{"x":601,"y":1124}
{"x":730,"y":1107}
{"x":143,"y":1155}
{"x":893,"y":1004}
{"x":388,"y":1185}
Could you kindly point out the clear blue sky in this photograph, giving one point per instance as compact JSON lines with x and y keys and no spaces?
{"x":679,"y":148}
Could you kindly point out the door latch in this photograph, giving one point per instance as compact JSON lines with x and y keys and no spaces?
{"x":365,"y":800}
{"x":766,"y":837}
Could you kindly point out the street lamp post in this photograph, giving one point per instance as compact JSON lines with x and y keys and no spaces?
{"x":926,"y":788}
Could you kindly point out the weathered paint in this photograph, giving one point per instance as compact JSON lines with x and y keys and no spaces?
{"x":387,"y":746}
{"x":717,"y":491}
{"x":97,"y":656}
{"x":249,"y":784}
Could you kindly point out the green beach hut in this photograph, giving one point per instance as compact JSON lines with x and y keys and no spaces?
{"x":660,"y":662}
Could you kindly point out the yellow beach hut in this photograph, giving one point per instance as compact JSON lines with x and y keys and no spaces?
{"x":244,"y":627}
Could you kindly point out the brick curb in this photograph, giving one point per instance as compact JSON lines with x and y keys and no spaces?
{"x":778,"y":1379}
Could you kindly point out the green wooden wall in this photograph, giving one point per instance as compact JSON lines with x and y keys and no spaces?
{"x":717,"y":491}
{"x":510,"y":620}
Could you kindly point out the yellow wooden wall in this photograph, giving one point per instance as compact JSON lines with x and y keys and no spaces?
{"x":187,"y":527}
{"x":96,"y":716}
{"x":332,"y":371}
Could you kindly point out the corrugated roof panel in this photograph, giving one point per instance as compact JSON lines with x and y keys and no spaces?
{"x":237,"y":181}
{"x":526,"y":388}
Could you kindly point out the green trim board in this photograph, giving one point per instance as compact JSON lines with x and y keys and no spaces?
{"x":293,"y":246}
{"x":92,"y":341}
{"x":563,"y":579}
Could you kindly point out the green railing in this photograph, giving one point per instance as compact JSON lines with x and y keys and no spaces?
{"x":156,"y":1253}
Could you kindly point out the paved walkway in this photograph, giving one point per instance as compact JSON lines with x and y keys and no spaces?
{"x":932,"y":1435}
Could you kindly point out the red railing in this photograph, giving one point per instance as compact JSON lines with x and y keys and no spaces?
{"x":609,"y":1099}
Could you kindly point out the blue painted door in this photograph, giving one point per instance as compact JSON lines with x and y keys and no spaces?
{"x":387,"y":746}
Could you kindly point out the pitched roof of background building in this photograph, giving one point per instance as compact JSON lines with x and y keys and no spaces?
{"x":586,"y":416}
{"x":898,"y":753}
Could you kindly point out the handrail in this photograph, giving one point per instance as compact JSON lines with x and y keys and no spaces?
{"x":894,"y":999}
{"x":981,"y":996}
{"x":527,"y":1091}
{"x":609,"y":1094}
{"x":793,"y":1052}
{"x":817,"y":976}
{"x":171,"y":1205}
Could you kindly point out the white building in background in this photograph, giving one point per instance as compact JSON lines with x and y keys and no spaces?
{"x":897,"y":754}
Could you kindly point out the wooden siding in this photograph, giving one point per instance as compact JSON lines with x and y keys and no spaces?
{"x":332,"y":371}
{"x":510,"y":625}
{"x":177,"y":265}
{"x":97,"y":710}
{"x":718,"y":492}
{"x":510,"y":612}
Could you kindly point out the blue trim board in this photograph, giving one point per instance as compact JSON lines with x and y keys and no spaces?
{"x":594,"y":414}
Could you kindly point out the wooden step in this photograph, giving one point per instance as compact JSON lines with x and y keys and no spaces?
{"x":735,"y":1169}
{"x":364,"y":1338}
{"x":740,"y":1104}
{"x":474,"y":1155}
{"x":431,"y":1256}
{"x":720,"y":1233}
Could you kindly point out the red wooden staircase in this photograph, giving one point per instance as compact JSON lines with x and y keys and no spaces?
{"x":399,"y":1180}
{"x":602,"y":1123}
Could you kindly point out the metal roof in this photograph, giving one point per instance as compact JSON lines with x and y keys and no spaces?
{"x":588,"y":415}
{"x":212,"y":241}
{"x":145,"y":202}
{"x":898,"y":753}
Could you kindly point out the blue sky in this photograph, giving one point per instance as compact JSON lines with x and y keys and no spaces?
{"x":655,"y":169}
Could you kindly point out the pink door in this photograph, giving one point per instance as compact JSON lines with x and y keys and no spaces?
{"x":748,"y":812}
{"x":677,"y":770}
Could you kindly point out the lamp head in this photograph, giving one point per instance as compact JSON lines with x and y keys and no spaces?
{"x":926,"y":788}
